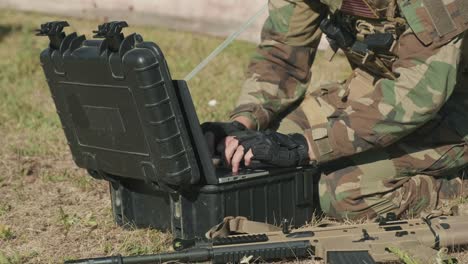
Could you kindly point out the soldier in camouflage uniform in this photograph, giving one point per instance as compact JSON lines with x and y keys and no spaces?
{"x":391,"y":138}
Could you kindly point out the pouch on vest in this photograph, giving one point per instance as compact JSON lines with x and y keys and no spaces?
{"x":435,"y":20}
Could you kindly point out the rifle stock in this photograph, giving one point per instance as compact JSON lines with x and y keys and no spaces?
{"x":370,"y":242}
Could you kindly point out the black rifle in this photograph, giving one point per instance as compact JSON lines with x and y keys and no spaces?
{"x":217,"y":253}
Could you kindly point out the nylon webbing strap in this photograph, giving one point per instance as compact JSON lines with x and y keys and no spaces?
{"x":317,"y":115}
{"x":232,"y":225}
{"x":225,"y":43}
{"x":440,"y":16}
{"x":318,"y":121}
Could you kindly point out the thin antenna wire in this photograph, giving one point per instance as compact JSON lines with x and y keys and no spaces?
{"x":226,"y":43}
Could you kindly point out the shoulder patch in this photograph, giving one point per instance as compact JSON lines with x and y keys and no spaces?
{"x":435,"y":20}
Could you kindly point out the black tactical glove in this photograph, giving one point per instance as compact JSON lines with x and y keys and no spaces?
{"x":273,"y":148}
{"x":215,"y":132}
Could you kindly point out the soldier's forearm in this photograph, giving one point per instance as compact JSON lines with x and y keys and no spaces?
{"x":279,"y":70}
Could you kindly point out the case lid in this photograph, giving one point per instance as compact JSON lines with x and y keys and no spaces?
{"x":118,"y":106}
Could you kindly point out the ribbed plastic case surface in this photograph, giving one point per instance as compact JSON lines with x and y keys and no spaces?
{"x":128,"y":122}
{"x":119,"y":114}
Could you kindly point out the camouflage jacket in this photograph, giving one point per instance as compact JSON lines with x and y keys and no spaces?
{"x":279,"y":71}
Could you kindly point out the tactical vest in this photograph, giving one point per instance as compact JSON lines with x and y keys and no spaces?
{"x":433,"y":21}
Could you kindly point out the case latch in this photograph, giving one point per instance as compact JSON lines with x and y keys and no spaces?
{"x":54,"y":30}
{"x":112,"y":33}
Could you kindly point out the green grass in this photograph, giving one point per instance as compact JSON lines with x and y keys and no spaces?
{"x":14,"y":258}
{"x":52,"y":211}
{"x":4,"y":208}
{"x":6,"y":233}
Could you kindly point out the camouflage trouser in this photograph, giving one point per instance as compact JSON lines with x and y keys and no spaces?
{"x":371,"y":184}
{"x":405,"y":178}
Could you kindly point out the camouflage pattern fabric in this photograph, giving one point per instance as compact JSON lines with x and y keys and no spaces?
{"x":435,"y":20}
{"x":279,"y":72}
{"x":388,"y":144}
{"x":393,"y":109}
{"x":378,"y":182}
{"x":397,"y":148}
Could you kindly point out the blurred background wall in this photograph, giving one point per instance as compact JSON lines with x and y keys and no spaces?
{"x":215,"y":17}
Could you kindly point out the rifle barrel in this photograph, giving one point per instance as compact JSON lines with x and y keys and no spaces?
{"x":192,"y":255}
{"x":224,"y":254}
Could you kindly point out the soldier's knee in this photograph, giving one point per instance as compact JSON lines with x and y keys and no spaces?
{"x":341,"y":203}
{"x":409,"y":196}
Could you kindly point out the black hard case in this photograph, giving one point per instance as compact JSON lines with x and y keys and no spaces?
{"x":127,"y":122}
{"x":281,"y":195}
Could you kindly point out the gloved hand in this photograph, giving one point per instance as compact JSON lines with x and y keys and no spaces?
{"x":216,"y":132}
{"x":273,"y":148}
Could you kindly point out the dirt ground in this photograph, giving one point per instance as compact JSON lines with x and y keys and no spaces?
{"x":52,"y":211}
